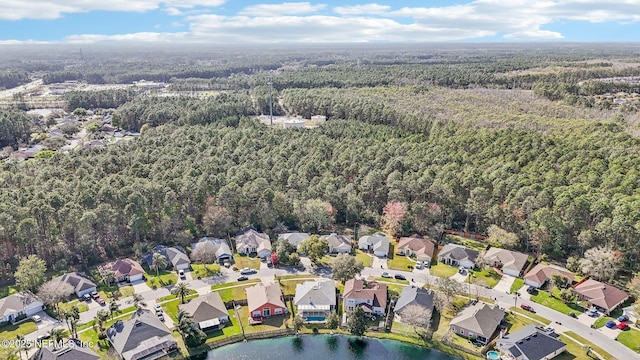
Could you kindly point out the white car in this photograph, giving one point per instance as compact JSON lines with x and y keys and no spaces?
{"x":158,"y":308}
{"x":36,"y":318}
{"x":419,"y":265}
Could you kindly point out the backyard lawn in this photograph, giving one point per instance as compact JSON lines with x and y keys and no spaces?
{"x":518,"y":283}
{"x":164,"y":278}
{"x":630,"y":339}
{"x":442,"y":270}
{"x":364,"y":257}
{"x":268,"y":324}
{"x":243,"y":261}
{"x":7,"y":290}
{"x":204,"y":270}
{"x":232,"y":328}
{"x":235,"y":291}
{"x":486,"y":276}
{"x":469,"y":243}
{"x":545,"y":299}
{"x":10,"y":331}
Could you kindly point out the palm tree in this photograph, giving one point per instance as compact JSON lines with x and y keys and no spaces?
{"x":108,"y":277}
{"x":23,"y":346}
{"x":56,"y":334}
{"x":158,"y":262}
{"x":186,"y":325}
{"x":101,"y":318}
{"x":182,"y":289}
{"x":137,"y":300}
{"x":113,"y":308}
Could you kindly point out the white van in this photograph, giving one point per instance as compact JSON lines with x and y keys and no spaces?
{"x":419,"y":265}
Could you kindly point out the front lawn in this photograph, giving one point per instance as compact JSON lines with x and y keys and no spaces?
{"x":165,"y":278}
{"x":10,"y":331}
{"x":486,"y":276}
{"x":289,"y":286}
{"x":530,"y":314}
{"x":235,"y":291}
{"x":401,"y":262}
{"x":204,"y":270}
{"x":514,"y":323}
{"x":388,"y":280}
{"x":81,"y":305}
{"x":190,"y":295}
{"x":602,"y":321}
{"x":518,"y":283}
{"x":545,"y":299}
{"x":584,"y":341}
{"x":243,"y":261}
{"x":442,"y":270}
{"x":630,"y":339}
{"x":107,"y":292}
{"x":364,"y":257}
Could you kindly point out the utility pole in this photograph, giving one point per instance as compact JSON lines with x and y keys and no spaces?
{"x":270,"y":83}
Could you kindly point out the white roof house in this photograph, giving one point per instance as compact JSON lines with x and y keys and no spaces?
{"x":378,"y":243}
{"x":314,"y":300}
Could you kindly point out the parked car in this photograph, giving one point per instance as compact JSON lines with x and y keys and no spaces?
{"x":247,"y":271}
{"x":100,"y":301}
{"x":532,"y":290}
{"x":386,"y":275}
{"x":611,"y":324}
{"x":549,"y":329}
{"x":36,"y":318}
{"x":527,"y":307}
{"x":95,"y":295}
{"x":86,"y":297}
{"x":181,"y":274}
{"x":623,"y":326}
{"x":400,"y":277}
{"x":573,"y":315}
{"x":623,"y":318}
{"x":462,"y":270}
{"x":158,"y":308}
{"x":160,"y":316}
{"x":593,"y":313}
{"x":227,"y":264}
{"x":419,"y":265}
{"x":243,"y":278}
{"x":43,"y":337}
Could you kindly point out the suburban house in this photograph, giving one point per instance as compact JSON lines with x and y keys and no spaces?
{"x":264,"y":301}
{"x":603,"y":296}
{"x":252,"y":241}
{"x":176,"y":257}
{"x":458,"y":255}
{"x":294,"y":238}
{"x":378,"y":243}
{"x":208,"y":311}
{"x":338,"y":244}
{"x":80,"y":285}
{"x":418,"y":246}
{"x":15,"y":305}
{"x":219,"y":247}
{"x":510,"y":262}
{"x":124,"y":270}
{"x":371,"y":296}
{"x":540,"y":274}
{"x":530,"y":343}
{"x":413,"y":295}
{"x":314,"y":300}
{"x":142,"y":337}
{"x":479,"y":321}
{"x":66,"y":352}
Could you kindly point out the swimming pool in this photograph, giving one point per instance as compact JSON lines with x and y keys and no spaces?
{"x":493,"y":355}
{"x":315,"y":318}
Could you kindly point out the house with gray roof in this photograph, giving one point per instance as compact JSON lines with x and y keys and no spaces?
{"x":22,"y":303}
{"x":207,"y":311}
{"x":413,"y":295}
{"x":479,"y":321}
{"x":216,"y":246}
{"x":378,"y":243}
{"x":294,"y":238}
{"x":531,"y":343}
{"x":252,"y":241}
{"x":176,"y":257}
{"x":458,"y":255}
{"x":78,"y":282}
{"x":338,"y":244}
{"x":315,"y":300}
{"x":142,"y":337}
{"x":510,"y":262}
{"x":65,"y":352}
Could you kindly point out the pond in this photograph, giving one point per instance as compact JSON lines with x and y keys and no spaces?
{"x":325,"y":347}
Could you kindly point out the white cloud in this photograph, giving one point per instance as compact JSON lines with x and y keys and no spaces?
{"x":374,"y":9}
{"x":135,"y":37}
{"x":534,"y":34}
{"x":43,"y":9}
{"x":288,"y":8}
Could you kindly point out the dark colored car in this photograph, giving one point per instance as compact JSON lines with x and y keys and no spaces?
{"x":400,"y":277}
{"x":243,"y":278}
{"x":573,"y":315}
{"x":611,"y":324}
{"x":623,"y":318}
{"x":527,"y":307}
{"x":532,"y":290}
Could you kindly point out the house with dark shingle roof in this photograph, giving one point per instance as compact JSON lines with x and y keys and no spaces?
{"x":510,"y":262}
{"x":604,"y":296}
{"x":207,"y":311}
{"x":531,"y":343}
{"x":371,"y":296}
{"x":142,"y":337}
{"x":458,"y":255}
{"x":541,"y":273}
{"x":65,"y":352}
{"x":413,"y":295}
{"x":78,"y":282}
{"x":479,"y":321}
{"x":18,"y":304}
{"x":176,"y":257}
{"x":418,"y":246}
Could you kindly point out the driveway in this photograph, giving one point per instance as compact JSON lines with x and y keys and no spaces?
{"x":504,"y":285}
{"x":140,"y":287}
{"x":379,"y":263}
{"x":610,"y":333}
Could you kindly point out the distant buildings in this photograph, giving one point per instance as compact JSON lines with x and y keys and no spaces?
{"x":219,"y":247}
{"x":510,"y":262}
{"x":603,"y":296}
{"x":80,"y":285}
{"x":338,"y":244}
{"x":124,"y":270}
{"x":541,"y":274}
{"x":252,"y":241}
{"x":418,"y":246}
{"x":176,"y":257}
{"x":294,"y":238}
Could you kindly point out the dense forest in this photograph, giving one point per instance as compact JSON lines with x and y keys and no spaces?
{"x":464,"y":138}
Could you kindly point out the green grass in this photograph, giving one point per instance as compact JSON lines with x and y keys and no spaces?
{"x":442,"y":270}
{"x":164,"y":278}
{"x":243,"y":261}
{"x":10,"y":331}
{"x":514,"y":323}
{"x":232,"y":328}
{"x":630,"y":339}
{"x":387,"y":280}
{"x":364,"y":257}
{"x":172,"y":307}
{"x":8,"y":290}
{"x":81,"y":305}
{"x":401,"y":262}
{"x":204,"y":270}
{"x":126,"y":311}
{"x":190,"y":295}
{"x":272,"y":323}
{"x":234,"y":292}
{"x":486,"y":276}
{"x":469,"y":243}
{"x":518,"y":283}
{"x":289,"y":286}
{"x":286,"y":277}
{"x":584,"y":341}
{"x":531,"y":315}
{"x":106,"y":292}
{"x":545,"y":299}
{"x":602,"y":321}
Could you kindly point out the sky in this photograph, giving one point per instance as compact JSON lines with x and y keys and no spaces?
{"x":264,"y":21}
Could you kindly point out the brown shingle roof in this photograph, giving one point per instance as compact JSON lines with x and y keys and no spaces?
{"x":123,"y":267}
{"x":511,"y":260}
{"x":600,"y":294}
{"x":541,"y":273}
{"x":261,"y":294}
{"x":417,"y":244}
{"x":373,"y":290}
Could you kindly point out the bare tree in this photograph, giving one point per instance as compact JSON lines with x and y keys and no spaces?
{"x":204,"y":253}
{"x":417,"y":316}
{"x":601,"y":263}
{"x":449,"y":288}
{"x":52,"y":292}
{"x":501,"y":237}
